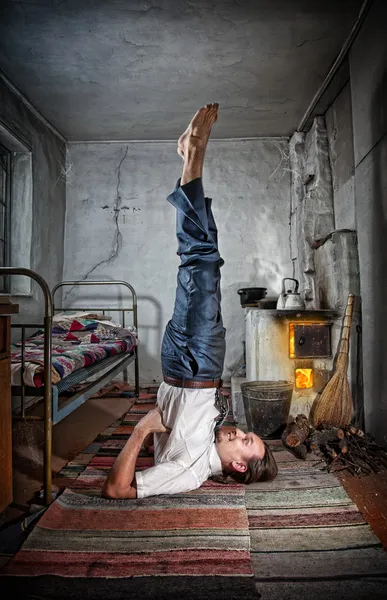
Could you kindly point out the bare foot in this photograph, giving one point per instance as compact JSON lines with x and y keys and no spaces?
{"x":199,"y":129}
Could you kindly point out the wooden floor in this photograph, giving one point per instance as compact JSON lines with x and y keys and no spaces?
{"x":80,"y":428}
{"x":370,"y":495}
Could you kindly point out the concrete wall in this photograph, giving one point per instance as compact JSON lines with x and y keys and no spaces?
{"x":119,"y":226}
{"x":368,"y":65}
{"x":48,"y":194}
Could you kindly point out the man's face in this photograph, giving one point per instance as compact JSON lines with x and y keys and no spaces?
{"x":236,"y":448}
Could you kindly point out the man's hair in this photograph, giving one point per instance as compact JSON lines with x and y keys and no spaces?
{"x":264,"y":469}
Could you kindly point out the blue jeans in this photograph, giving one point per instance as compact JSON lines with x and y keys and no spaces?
{"x":194,"y":344}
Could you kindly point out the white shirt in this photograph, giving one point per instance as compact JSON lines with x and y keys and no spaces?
{"x":187,"y":456}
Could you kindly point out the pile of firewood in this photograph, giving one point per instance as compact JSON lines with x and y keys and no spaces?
{"x":341,"y":448}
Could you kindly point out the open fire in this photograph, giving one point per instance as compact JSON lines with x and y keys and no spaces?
{"x":304,"y":378}
{"x":292,"y":353}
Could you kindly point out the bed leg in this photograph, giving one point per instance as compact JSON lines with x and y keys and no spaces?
{"x":47,"y":458}
{"x":136,"y":374}
{"x":47,"y":410}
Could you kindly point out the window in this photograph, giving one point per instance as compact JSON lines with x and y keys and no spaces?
{"x":5,"y":178}
{"x":16,"y":210}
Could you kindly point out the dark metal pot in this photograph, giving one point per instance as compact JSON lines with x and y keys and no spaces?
{"x":251,"y":295}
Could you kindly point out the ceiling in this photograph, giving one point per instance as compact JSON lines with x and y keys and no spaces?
{"x":138,"y":69}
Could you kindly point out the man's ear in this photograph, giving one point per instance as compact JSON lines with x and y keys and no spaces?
{"x":239,"y":466}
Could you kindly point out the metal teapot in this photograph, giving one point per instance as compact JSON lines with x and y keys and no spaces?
{"x":290,"y":300}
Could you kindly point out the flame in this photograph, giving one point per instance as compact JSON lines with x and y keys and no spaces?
{"x":291,"y":341}
{"x":304,"y":378}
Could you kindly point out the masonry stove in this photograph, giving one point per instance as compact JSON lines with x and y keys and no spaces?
{"x":296,"y":346}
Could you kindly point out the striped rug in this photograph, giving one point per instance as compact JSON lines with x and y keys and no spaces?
{"x":191,"y":545}
{"x":308,"y":540}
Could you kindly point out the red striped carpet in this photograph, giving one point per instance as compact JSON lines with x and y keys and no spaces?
{"x":191,"y":545}
{"x":308,"y":539}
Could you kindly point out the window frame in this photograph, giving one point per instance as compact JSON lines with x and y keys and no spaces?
{"x":20,"y":216}
{"x":5,"y":201}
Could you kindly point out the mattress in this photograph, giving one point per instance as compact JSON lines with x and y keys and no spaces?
{"x":78,"y":340}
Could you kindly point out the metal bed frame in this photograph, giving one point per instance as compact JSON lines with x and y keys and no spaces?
{"x":53,"y":411}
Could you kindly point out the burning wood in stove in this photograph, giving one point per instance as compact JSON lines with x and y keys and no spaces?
{"x":341,"y":448}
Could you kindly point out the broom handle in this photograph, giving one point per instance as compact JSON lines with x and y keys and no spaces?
{"x":344,"y":343}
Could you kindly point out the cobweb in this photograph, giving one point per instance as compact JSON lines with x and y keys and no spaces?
{"x":29,"y":434}
{"x":285,"y":166}
{"x":67,"y":171}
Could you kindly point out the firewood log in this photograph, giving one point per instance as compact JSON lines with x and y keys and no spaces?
{"x":340,"y":433}
{"x":296,"y":432}
{"x":314,"y":446}
{"x":355,"y":431}
{"x":348,"y":448}
{"x":298,"y":451}
{"x":330,"y":451}
{"x":324,"y":436}
{"x":301,"y":418}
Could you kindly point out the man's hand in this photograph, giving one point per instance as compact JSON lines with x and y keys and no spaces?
{"x":152,"y":423}
{"x":121,"y":482}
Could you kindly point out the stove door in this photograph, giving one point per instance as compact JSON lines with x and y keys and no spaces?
{"x":311,"y":340}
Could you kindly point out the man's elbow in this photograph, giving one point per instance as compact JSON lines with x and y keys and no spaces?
{"x":118,"y":492}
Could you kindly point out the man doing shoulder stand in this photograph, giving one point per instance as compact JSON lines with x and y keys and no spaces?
{"x":189,"y":447}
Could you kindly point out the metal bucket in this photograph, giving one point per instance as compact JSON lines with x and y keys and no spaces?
{"x":267,"y":406}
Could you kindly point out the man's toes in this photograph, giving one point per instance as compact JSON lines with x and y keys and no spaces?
{"x":214,"y":112}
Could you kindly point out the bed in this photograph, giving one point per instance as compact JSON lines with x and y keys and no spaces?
{"x":75,"y":348}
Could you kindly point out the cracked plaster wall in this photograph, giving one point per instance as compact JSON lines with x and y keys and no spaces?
{"x":368,"y":63}
{"x":48,"y":196}
{"x":120,"y":226}
{"x":324,"y":252}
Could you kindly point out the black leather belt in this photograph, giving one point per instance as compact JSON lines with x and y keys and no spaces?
{"x":192,"y":383}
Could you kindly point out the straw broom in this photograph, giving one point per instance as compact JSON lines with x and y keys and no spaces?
{"x":334,"y":406}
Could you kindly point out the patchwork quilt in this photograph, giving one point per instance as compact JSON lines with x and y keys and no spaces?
{"x":78,"y":340}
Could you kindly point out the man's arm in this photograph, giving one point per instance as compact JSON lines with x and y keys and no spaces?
{"x":121,"y":482}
